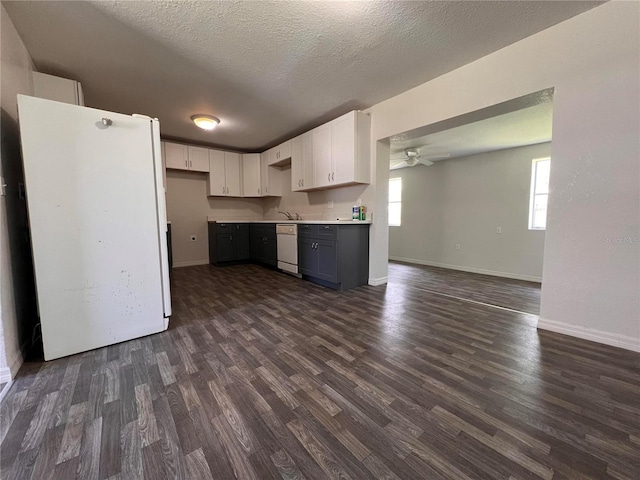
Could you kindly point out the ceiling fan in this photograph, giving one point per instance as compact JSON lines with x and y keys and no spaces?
{"x":412,"y":157}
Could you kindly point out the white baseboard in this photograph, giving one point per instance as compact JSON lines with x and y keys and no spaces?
{"x":515,"y":276}
{"x":190,"y":264}
{"x":613,"y":339}
{"x":5,"y":374}
{"x":374,"y":282}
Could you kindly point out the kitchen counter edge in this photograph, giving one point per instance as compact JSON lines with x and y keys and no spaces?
{"x":319,"y":222}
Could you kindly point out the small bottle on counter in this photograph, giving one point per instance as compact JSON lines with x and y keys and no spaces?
{"x":363,"y":213}
{"x":356,"y":212}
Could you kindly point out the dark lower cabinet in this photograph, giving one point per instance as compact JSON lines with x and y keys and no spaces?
{"x":336,"y":256}
{"x":263,"y":241}
{"x":333,"y":255}
{"x":228,"y":242}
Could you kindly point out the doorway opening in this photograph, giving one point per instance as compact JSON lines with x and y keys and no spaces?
{"x":467,"y":204}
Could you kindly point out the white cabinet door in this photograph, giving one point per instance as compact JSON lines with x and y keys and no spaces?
{"x":265,"y":159}
{"x":232,"y":174}
{"x":279,"y":154}
{"x":321,"y":148}
{"x":296,"y":164}
{"x":251,"y":167}
{"x":307,"y":161}
{"x":271,"y":179}
{"x":302,"y":163}
{"x":343,"y":136}
{"x":216,"y":186}
{"x":198,"y":159}
{"x":176,"y":156}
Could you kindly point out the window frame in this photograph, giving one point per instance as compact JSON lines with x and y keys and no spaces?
{"x":533,"y":195}
{"x":398,"y":202}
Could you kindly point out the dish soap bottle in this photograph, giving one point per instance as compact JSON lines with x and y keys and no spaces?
{"x":356,"y":212}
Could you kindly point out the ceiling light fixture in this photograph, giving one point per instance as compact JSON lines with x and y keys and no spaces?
{"x":205,"y":122}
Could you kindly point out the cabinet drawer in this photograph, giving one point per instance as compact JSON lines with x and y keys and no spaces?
{"x":225,"y":227}
{"x":328,"y":232}
{"x":306,"y":230}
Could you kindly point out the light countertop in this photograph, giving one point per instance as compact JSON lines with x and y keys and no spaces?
{"x":320,"y":222}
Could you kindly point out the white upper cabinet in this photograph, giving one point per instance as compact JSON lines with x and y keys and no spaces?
{"x":217,"y":183}
{"x":176,"y":156}
{"x":198,"y":159}
{"x":322,"y":162}
{"x":224,"y":174}
{"x":186,"y":157}
{"x":342,"y":151}
{"x":251,"y":174}
{"x":232,"y":174}
{"x":270,"y":178}
{"x":302,"y":162}
{"x":281,"y":154}
{"x":57,"y":88}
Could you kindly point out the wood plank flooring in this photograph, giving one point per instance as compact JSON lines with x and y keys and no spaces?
{"x":504,"y":292}
{"x":263,"y":376}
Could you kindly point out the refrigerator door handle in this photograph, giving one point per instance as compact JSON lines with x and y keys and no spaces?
{"x":161,"y":214}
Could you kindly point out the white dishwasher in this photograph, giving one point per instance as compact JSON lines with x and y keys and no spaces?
{"x":287,"y":241}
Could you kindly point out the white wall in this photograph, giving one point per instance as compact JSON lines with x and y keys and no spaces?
{"x":188,"y":208}
{"x":15,"y":78}
{"x":462,"y":201}
{"x":313,"y":205}
{"x":591,"y":275}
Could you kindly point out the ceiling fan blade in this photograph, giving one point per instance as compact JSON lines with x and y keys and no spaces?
{"x":424,"y":161}
{"x":398,"y":165}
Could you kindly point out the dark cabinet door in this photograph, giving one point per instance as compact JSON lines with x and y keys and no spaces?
{"x":226,"y":248}
{"x":327,"y":251}
{"x":270,"y":251}
{"x":243,"y":247}
{"x":256,"y":240}
{"x":307,"y":256}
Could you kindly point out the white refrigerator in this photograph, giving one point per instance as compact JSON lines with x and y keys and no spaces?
{"x":98,"y":224}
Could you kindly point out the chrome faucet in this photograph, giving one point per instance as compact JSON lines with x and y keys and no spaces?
{"x":298,"y":217}
{"x":287,"y":214}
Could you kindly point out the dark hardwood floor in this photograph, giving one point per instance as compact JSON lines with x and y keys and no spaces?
{"x":262,"y":375}
{"x":503,"y":292}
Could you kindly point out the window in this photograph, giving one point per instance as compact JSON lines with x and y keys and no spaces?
{"x":539,"y":193}
{"x":395,"y":201}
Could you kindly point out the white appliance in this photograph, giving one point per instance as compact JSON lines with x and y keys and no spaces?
{"x":287,"y":241}
{"x":98,"y":224}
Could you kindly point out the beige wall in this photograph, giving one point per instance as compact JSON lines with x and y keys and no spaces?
{"x":313,"y":205}
{"x":188,"y":208}
{"x":591,"y":274}
{"x":462,"y":201}
{"x":16,"y":300}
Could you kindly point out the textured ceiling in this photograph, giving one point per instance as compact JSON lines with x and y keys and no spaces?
{"x":268,"y":70}
{"x":527,"y":126}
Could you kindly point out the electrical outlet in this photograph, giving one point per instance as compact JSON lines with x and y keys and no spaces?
{"x":457,"y":246}
{"x":498,"y":229}
{"x":193,"y":238}
{"x":330,"y":204}
{"x":359,"y":202}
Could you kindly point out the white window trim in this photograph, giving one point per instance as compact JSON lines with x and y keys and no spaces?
{"x":398,"y":179}
{"x":533,"y":194}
